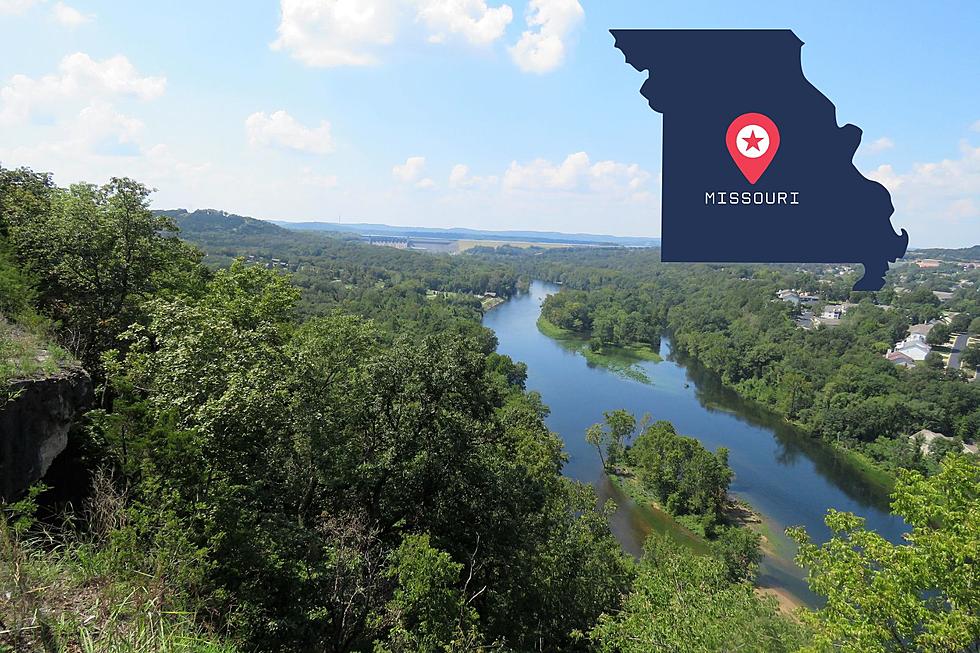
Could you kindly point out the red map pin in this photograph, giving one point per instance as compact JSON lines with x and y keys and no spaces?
{"x":752,"y":141}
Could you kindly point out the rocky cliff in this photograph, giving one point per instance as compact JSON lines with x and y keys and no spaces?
{"x":34,"y":425}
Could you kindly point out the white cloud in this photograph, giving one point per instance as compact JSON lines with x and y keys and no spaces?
{"x":69,"y":16}
{"x":881,"y":144}
{"x":11,"y":7}
{"x":935,"y":194}
{"x":327,"y":33}
{"x":975,"y":126}
{"x":79,"y":79}
{"x":100,"y":121}
{"x":473,"y":19}
{"x":311,"y":178}
{"x":282,"y":130}
{"x":409,"y":171}
{"x":578,"y":174}
{"x":460,"y":177}
{"x":98,"y":130}
{"x":541,"y":47}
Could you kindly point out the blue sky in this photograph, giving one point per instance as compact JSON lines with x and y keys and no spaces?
{"x":476,"y":113}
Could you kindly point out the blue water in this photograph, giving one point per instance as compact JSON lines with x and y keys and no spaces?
{"x":787,"y":477}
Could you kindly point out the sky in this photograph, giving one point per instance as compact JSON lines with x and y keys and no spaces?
{"x":456,"y":113}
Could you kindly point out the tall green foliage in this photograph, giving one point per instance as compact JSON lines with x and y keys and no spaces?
{"x":687,"y":478}
{"x":919,"y":595}
{"x":302,"y":457}
{"x":96,"y":252}
{"x":685,"y":603}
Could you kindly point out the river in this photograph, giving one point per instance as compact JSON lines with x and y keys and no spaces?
{"x":789,"y":478}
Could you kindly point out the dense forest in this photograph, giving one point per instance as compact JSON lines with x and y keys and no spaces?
{"x":398,"y":288}
{"x":330,"y":455}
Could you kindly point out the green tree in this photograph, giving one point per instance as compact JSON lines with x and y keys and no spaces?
{"x":596,"y":436}
{"x":919,"y":595}
{"x":960,"y":322}
{"x":939,"y":447}
{"x":98,"y":253}
{"x":299,"y":458}
{"x":428,"y":612}
{"x":684,"y":476}
{"x":620,"y":424}
{"x":939,"y":334}
{"x":610,"y":439}
{"x":970,"y":358}
{"x":738,"y":548}
{"x":683,"y":602}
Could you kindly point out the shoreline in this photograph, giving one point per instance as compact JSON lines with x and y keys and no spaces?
{"x":870,"y":472}
{"x":737,"y":513}
{"x":619,"y":359}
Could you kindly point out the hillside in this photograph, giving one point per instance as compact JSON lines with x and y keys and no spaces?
{"x":462,"y":233}
{"x":205,"y":221}
{"x":959,"y":254}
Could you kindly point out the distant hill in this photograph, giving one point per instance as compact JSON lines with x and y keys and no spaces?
{"x":961,"y":254}
{"x":205,"y":221}
{"x":461,"y":233}
{"x":213,"y":225}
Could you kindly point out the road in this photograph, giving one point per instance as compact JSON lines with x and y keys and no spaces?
{"x":958,"y":346}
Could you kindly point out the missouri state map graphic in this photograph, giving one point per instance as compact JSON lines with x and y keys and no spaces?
{"x":755,"y":166}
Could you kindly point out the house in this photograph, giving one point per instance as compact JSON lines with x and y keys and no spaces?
{"x":914,"y":347}
{"x":805,"y":320}
{"x":928,"y":263}
{"x":820,"y":320}
{"x":929,"y":436}
{"x":900,"y":358}
{"x":942,"y":296}
{"x":790,"y":296}
{"x":836,"y":311}
{"x":832,"y":314}
{"x":808,"y":298}
{"x":921,"y":329}
{"x":796,"y":297}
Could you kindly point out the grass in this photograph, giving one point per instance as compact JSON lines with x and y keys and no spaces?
{"x":658,"y":519}
{"x":26,"y":352}
{"x":551,"y":330}
{"x":881,"y":479}
{"x":62,"y":593}
{"x":619,"y":359}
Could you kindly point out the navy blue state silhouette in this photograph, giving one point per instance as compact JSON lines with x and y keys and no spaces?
{"x":701,"y":80}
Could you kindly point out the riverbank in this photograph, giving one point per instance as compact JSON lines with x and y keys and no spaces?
{"x":874,"y":474}
{"x":490,"y":303}
{"x":737,"y":513}
{"x":856,"y":462}
{"x":621,"y":359}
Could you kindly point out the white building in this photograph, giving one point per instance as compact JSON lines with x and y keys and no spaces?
{"x":915,"y":347}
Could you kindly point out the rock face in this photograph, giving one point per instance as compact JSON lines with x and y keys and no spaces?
{"x":34,"y":426}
